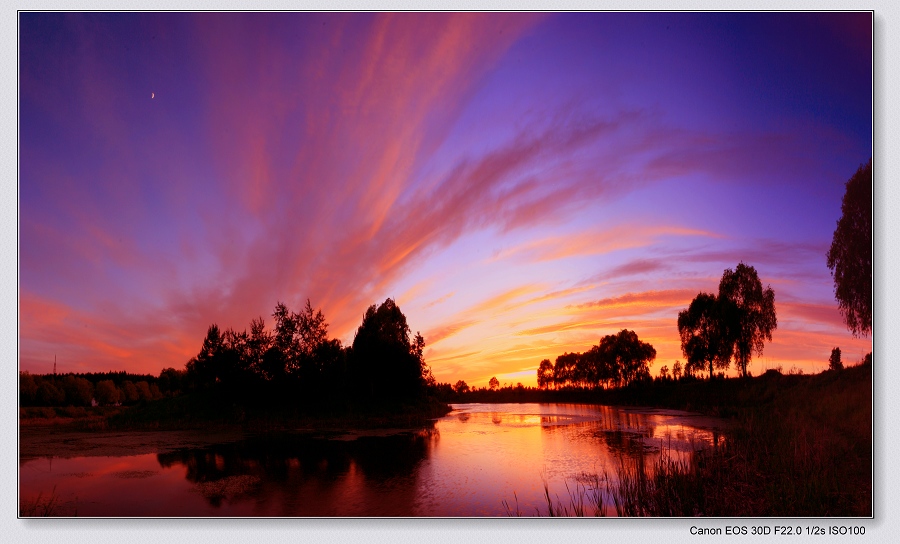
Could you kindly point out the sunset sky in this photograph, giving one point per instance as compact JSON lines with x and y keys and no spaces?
{"x":521,"y":184}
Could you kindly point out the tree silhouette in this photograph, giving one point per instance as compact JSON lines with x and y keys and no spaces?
{"x":285,"y":341}
{"x":79,"y":391}
{"x":130,"y":393}
{"x":628,"y":354}
{"x":311,"y":329}
{"x":202,"y":368}
{"x":106,"y":393}
{"x":850,"y":255}
{"x":834,"y":362}
{"x":599,"y":365}
{"x":461,"y":387}
{"x":705,"y":336}
{"x":170,"y":380}
{"x":48,"y":394}
{"x":751,"y":312}
{"x":257,"y":344}
{"x":494,"y":384}
{"x":28,"y":388}
{"x":232,"y":364}
{"x":383,"y":361}
{"x":545,"y":374}
{"x":564,"y":370}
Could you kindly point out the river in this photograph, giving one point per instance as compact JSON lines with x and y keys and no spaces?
{"x":479,"y":460}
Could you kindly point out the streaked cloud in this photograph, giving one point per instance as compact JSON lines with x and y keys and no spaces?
{"x":521,"y":183}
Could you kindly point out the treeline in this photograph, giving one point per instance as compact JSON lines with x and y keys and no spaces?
{"x":736,"y":322}
{"x":87,"y":389}
{"x":618,"y":360}
{"x":298,"y":364}
{"x":295,"y":363}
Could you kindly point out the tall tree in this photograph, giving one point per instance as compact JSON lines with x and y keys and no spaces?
{"x":752,"y":312}
{"x":384,"y":362}
{"x":202,"y":368}
{"x":850,"y":256}
{"x":258,"y":343}
{"x":632,"y":356}
{"x":705,"y":336}
{"x":565,"y":368}
{"x":834,"y":362}
{"x":545,"y":374}
{"x":311,"y":329}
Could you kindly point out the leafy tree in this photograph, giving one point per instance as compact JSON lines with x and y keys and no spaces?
{"x":312,"y":329}
{"x":258,"y":343}
{"x":106,"y":393}
{"x":461,"y":387}
{"x":143,"y":389}
{"x":155,"y":393}
{"x":545,"y":374}
{"x":631,"y":356}
{"x":383,"y":360}
{"x":494,"y":384}
{"x":599,"y":365}
{"x":285,"y":342}
{"x":129,"y":392}
{"x":850,"y":255}
{"x":676,"y":370}
{"x":27,"y":388}
{"x":418,"y":352}
{"x":834,"y":362}
{"x":202,"y":369}
{"x":705,"y":336}
{"x":170,"y":380}
{"x":751,"y":312}
{"x":79,"y":391}
{"x":232,"y":363}
{"x":564,"y":370}
{"x":48,"y":394}
{"x":664,"y":372}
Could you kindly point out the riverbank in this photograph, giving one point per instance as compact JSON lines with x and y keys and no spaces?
{"x":801,"y":446}
{"x":193,"y":421}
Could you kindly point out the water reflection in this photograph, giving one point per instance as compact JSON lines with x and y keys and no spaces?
{"x":311,"y":476}
{"x":465,"y":464}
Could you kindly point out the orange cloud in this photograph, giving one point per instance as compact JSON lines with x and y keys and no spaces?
{"x":595,"y":243}
{"x":434,"y":336}
{"x":646,"y":299}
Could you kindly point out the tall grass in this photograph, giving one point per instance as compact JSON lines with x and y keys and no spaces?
{"x":585,"y":497}
{"x":804,"y":451}
{"x":51,"y":505}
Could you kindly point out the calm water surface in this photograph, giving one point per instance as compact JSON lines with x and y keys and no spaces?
{"x":466,"y":464}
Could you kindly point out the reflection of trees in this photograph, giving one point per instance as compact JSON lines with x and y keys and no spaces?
{"x":290,"y":466}
{"x":621,"y":432}
{"x":630,"y":443}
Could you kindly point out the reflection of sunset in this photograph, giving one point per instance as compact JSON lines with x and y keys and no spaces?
{"x":522,"y":184}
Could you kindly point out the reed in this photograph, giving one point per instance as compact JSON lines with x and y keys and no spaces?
{"x":804,"y":451}
{"x":41,"y":506}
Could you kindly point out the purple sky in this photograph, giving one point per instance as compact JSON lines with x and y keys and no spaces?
{"x":521,"y":184}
